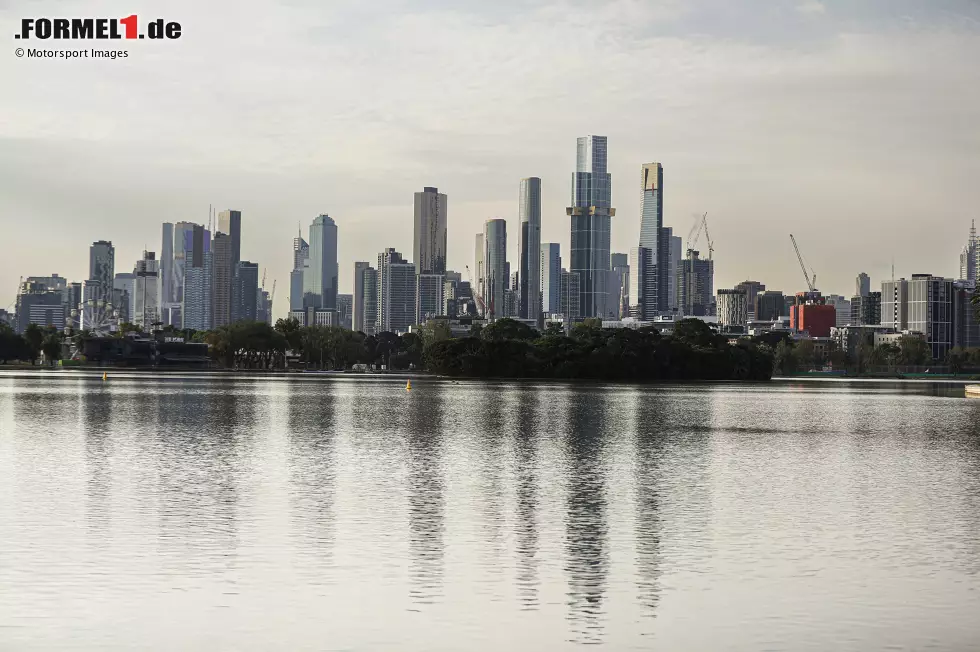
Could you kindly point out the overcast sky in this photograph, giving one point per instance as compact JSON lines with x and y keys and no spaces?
{"x":852,"y":124}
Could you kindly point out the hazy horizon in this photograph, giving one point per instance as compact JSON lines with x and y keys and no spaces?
{"x":852,"y":127}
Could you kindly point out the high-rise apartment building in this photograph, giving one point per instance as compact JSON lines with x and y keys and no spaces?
{"x":124,"y":289}
{"x":529,"y":249}
{"x":230,"y":223}
{"x":590,"y":216}
{"x":301,"y":256}
{"x":479,"y":271}
{"x":550,"y":276}
{"x":165,"y":280}
{"x":429,"y":248}
{"x":41,"y":304}
{"x":396,"y":293}
{"x":429,"y":297}
{"x":222,"y":273}
{"x":733,"y":308}
{"x":569,"y":296}
{"x":697,"y":286}
{"x":930,"y":311}
{"x":642,"y":284}
{"x":357,"y":308}
{"x":321,"y":271}
{"x":147,"y":311}
{"x":495,"y":266}
{"x":752,"y":289}
{"x":246,"y":292}
{"x":369,"y":302}
{"x":345,"y":310}
{"x":770,"y":305}
{"x":652,"y":233}
{"x":196,"y":302}
{"x":182,"y":236}
{"x":894,"y":304}
{"x":102,"y":269}
{"x":675,"y":255}
{"x":621,"y":281}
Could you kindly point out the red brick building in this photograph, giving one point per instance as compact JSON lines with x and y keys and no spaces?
{"x":815,"y":318}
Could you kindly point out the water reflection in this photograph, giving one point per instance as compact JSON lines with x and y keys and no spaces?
{"x":585,"y":525}
{"x":95,"y":427}
{"x":651,"y":424}
{"x":525,"y":454}
{"x":312,"y":418}
{"x":490,"y":421}
{"x":426,"y":486}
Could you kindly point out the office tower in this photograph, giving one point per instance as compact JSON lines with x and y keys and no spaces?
{"x":652,"y":233}
{"x":263,"y":308}
{"x":320,"y":273}
{"x":495,"y":266}
{"x":479,"y":273}
{"x":357,"y":309}
{"x":198,"y":268}
{"x":222,"y":271}
{"x":733,"y":308}
{"x":590,"y":222}
{"x":369,"y":310}
{"x":246,"y":292}
{"x":642,"y":284}
{"x":301,"y":257}
{"x":843,"y":308}
{"x":550,"y":277}
{"x":894,"y":304}
{"x":621,"y":272}
{"x":125,"y":283}
{"x":183,"y":234}
{"x":147,"y":271}
{"x":569,"y":296}
{"x":230,"y":223}
{"x":752,"y":289}
{"x":102,"y":267}
{"x":862,"y":285}
{"x":529,"y":249}
{"x":676,"y":259}
{"x":165,"y":280}
{"x":450,"y":297}
{"x":930,"y":311}
{"x":453,"y":276}
{"x":770,"y":305}
{"x":697,"y":286}
{"x":429,"y":248}
{"x":345,"y":309}
{"x":41,"y":304}
{"x":429,"y":297}
{"x":396,"y":293}
{"x":969,"y":257}
{"x":966,"y":326}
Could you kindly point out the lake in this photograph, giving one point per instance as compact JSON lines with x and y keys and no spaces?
{"x":217,"y":512}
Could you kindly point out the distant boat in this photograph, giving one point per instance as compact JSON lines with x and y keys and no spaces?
{"x":973,"y":390}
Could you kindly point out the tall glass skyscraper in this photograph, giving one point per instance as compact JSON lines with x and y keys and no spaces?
{"x":529,"y":274}
{"x":320,"y":274}
{"x":550,"y":276}
{"x":496,"y":281}
{"x":591,"y":214}
{"x":102,"y":268}
{"x":430,"y":232}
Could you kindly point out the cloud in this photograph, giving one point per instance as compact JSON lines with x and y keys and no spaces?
{"x":811,"y":7}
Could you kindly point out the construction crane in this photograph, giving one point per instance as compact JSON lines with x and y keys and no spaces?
{"x":272,"y":295}
{"x":692,"y":240}
{"x":264,"y":272}
{"x":812,"y":284}
{"x":711,"y":243}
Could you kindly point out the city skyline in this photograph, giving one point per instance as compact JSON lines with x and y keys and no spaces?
{"x":757,"y":116}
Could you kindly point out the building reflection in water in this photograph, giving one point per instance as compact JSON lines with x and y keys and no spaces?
{"x":490,"y":425}
{"x":586,"y":528}
{"x":652,"y":428}
{"x":525,"y":454}
{"x":312,"y":471}
{"x":95,"y":402}
{"x":426,"y":489}
{"x":200,"y":434}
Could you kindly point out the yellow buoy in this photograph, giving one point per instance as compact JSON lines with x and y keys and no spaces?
{"x":408,"y":386}
{"x":104,"y":377}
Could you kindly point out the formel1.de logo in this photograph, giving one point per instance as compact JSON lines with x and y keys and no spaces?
{"x":96,"y":28}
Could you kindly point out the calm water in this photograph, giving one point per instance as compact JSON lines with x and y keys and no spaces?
{"x":210,"y":513}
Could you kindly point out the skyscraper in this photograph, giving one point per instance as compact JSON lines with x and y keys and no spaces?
{"x":969,"y":263}
{"x":222,"y":272}
{"x":345,"y":308}
{"x":183,"y":233}
{"x":147,"y":271}
{"x":165,"y":280}
{"x":642,"y":284}
{"x":479,"y":271}
{"x":495,"y":263}
{"x":396,"y":292}
{"x":101,"y":268}
{"x":529,"y":249}
{"x":676,"y":254}
{"x":358,"y":297}
{"x":196,"y":303}
{"x":591,"y":214}
{"x":230,"y":223}
{"x":751,"y":289}
{"x":124,"y":288}
{"x":429,"y":249}
{"x":652,"y":234}
{"x":732,"y":308}
{"x":429,"y":296}
{"x":569,"y":294}
{"x":550,"y":277}
{"x":369,"y":313}
{"x":862,"y":285}
{"x":697,"y":286}
{"x":621,"y":269}
{"x":301,"y":255}
{"x":320,"y":274}
{"x":246,"y":294}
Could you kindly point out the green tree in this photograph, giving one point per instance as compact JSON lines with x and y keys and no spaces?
{"x":913,"y":350}
{"x":34,"y":337}
{"x":696,"y":333}
{"x":12,"y":345}
{"x":292,"y":331}
{"x":806,"y":356}
{"x":508,"y":329}
{"x":51,"y":346}
{"x":785,"y":361}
